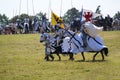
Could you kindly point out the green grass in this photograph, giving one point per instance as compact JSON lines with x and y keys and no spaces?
{"x":22,"y":58}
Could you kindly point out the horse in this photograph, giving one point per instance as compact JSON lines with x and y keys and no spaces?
{"x":108,"y":23}
{"x":26,"y":25}
{"x":49,"y":40}
{"x":84,"y":42}
{"x":30,"y":26}
{"x":116,"y":24}
{"x":105,"y":22}
{"x":45,"y":25}
{"x":36,"y":24}
{"x":10,"y":29}
{"x":7,"y":30}
{"x":19,"y":26}
{"x":53,"y":48}
{"x":1,"y":29}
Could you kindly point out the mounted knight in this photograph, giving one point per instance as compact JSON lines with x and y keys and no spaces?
{"x":19,"y":25}
{"x":26,"y":25}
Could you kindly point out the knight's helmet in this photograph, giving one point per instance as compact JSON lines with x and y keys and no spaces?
{"x":44,"y":18}
{"x":18,"y":20}
{"x":26,"y":20}
{"x":35,"y":19}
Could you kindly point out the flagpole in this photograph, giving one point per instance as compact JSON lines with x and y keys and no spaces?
{"x":27,"y":8}
{"x":61,"y":8}
{"x":71,"y":4}
{"x":19,"y":7}
{"x":13,"y":13}
{"x":49,"y":9}
{"x":33,"y":8}
{"x":81,"y":14}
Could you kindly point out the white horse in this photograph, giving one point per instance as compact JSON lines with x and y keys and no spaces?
{"x":19,"y":26}
{"x":88,"y":41}
{"x":49,"y":40}
{"x":116,"y":24}
{"x":54,"y":46}
{"x":26,"y":25}
{"x":45,"y":25}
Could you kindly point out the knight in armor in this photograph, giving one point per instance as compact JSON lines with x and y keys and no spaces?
{"x":36,"y":24}
{"x":35,"y":19}
{"x":18,"y":22}
{"x":1,"y":29}
{"x":58,"y":35}
{"x":45,"y":23}
{"x":26,"y":25}
{"x":73,"y":24}
{"x":19,"y":25}
{"x":44,"y":17}
{"x":90,"y":35}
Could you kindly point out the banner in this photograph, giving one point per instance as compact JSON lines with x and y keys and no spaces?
{"x":56,"y":19}
{"x":85,"y":11}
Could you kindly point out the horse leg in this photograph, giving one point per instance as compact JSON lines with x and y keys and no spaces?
{"x":82,"y":53}
{"x":71,"y":56}
{"x":52,"y":57}
{"x":58,"y":56}
{"x":47,"y":57}
{"x":95,"y":56}
{"x":102,"y":55}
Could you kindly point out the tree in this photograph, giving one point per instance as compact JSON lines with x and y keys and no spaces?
{"x":13,"y":20}
{"x":21,"y":17}
{"x":117,"y":15}
{"x":70,"y":14}
{"x":4,"y":19}
{"x":40,"y":15}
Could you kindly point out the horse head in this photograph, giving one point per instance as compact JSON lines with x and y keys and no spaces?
{"x":43,"y":37}
{"x":46,"y":36}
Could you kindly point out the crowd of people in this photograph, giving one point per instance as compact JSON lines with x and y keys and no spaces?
{"x":35,"y":26}
{"x":108,"y":23}
{"x":26,"y":26}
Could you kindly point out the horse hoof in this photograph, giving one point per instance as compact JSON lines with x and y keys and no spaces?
{"x":47,"y":60}
{"x":93,"y":60}
{"x":71,"y":59}
{"x":52,"y":59}
{"x":83,"y":60}
{"x":59,"y":59}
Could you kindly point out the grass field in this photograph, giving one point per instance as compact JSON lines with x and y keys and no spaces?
{"x":22,"y":58}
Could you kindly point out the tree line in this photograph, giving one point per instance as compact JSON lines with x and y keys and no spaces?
{"x":68,"y":16}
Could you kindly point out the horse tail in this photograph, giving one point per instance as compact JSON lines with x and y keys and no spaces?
{"x":105,"y":51}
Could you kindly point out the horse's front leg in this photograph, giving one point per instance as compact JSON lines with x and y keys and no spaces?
{"x":71,"y":56}
{"x":102,"y":55}
{"x":47,"y":57}
{"x":95,"y":56}
{"x":58,"y":56}
{"x":82,"y":53}
{"x":52,"y":57}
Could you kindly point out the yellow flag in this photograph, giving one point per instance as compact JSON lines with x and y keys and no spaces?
{"x":56,"y":19}
{"x":62,"y":25}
